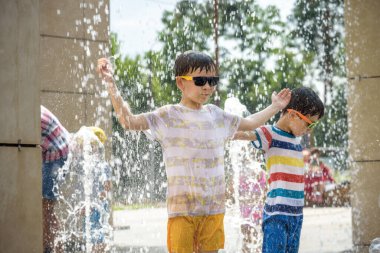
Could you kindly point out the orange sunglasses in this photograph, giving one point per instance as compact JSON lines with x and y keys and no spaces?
{"x":310,"y":123}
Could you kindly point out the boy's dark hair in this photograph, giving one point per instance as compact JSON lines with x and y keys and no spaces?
{"x":190,"y":61}
{"x":315,"y":151}
{"x":306,"y":101}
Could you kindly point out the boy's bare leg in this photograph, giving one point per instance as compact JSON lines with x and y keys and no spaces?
{"x":321,"y":190}
{"x":99,"y":248}
{"x":247,"y":239}
{"x":50,"y":224}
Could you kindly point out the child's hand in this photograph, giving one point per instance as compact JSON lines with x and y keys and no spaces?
{"x":281,"y":100}
{"x":105,"y":69}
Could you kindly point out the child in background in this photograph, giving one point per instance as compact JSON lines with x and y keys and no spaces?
{"x":252,"y":188}
{"x":283,"y":210}
{"x":55,"y":148}
{"x":87,"y":192}
{"x":101,"y":194}
{"x":192,"y":136}
{"x":318,"y":180}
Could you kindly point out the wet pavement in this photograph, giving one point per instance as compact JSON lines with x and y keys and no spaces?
{"x":325,"y":230}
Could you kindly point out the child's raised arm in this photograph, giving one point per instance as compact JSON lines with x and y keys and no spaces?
{"x":279,"y":102}
{"x":121,"y":107}
{"x":246,"y":136}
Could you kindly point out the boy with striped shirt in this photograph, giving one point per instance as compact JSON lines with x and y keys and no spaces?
{"x":283,"y":210}
{"x":192,"y":134}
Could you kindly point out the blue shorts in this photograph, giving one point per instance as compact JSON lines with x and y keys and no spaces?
{"x":281,"y":233}
{"x":50,"y":172}
{"x":96,"y":228}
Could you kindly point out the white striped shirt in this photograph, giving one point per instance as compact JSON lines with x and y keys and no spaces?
{"x":193,"y":150}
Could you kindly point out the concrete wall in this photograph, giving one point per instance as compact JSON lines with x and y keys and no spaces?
{"x":363,"y":66}
{"x":48,"y":50}
{"x":73,"y":35}
{"x":20,"y":169}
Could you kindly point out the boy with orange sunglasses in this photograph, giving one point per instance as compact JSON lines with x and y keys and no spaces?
{"x":283,"y":210}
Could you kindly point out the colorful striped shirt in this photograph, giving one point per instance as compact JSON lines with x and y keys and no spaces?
{"x":54,"y":137}
{"x":193,"y":150}
{"x":284,"y":161}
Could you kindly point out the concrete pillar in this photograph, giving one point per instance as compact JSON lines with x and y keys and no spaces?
{"x":73,"y":35}
{"x":48,"y":50}
{"x":20,"y":168}
{"x":363,"y":70}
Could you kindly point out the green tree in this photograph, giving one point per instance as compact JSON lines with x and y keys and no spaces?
{"x":252,"y":29}
{"x":259,"y":54}
{"x":136,"y":159}
{"x":320,"y":26}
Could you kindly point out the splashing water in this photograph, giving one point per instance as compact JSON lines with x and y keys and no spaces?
{"x":375,"y":245}
{"x":248,"y":189}
{"x":84,"y":201}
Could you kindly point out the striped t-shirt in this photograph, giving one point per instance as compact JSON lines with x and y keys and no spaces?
{"x":193,"y":151}
{"x":284,"y":161}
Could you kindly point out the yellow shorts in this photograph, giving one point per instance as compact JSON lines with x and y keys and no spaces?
{"x":187,"y":234}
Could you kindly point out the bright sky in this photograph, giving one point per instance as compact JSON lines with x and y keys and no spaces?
{"x":137,"y":22}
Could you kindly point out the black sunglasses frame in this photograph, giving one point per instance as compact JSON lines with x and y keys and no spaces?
{"x":202,"y":80}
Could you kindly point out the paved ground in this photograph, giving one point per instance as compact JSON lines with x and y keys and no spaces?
{"x":325,"y":230}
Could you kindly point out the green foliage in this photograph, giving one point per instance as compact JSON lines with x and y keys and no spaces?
{"x":320,"y":26}
{"x":137,"y":86}
{"x":253,"y":27}
{"x":332,"y":132}
{"x":143,"y":81}
{"x":318,"y":22}
{"x":266,"y":55}
{"x":262,"y":40}
{"x":189,"y":26}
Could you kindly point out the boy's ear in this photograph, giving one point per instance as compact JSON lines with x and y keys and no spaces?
{"x":179,"y":82}
{"x":290,"y":115}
